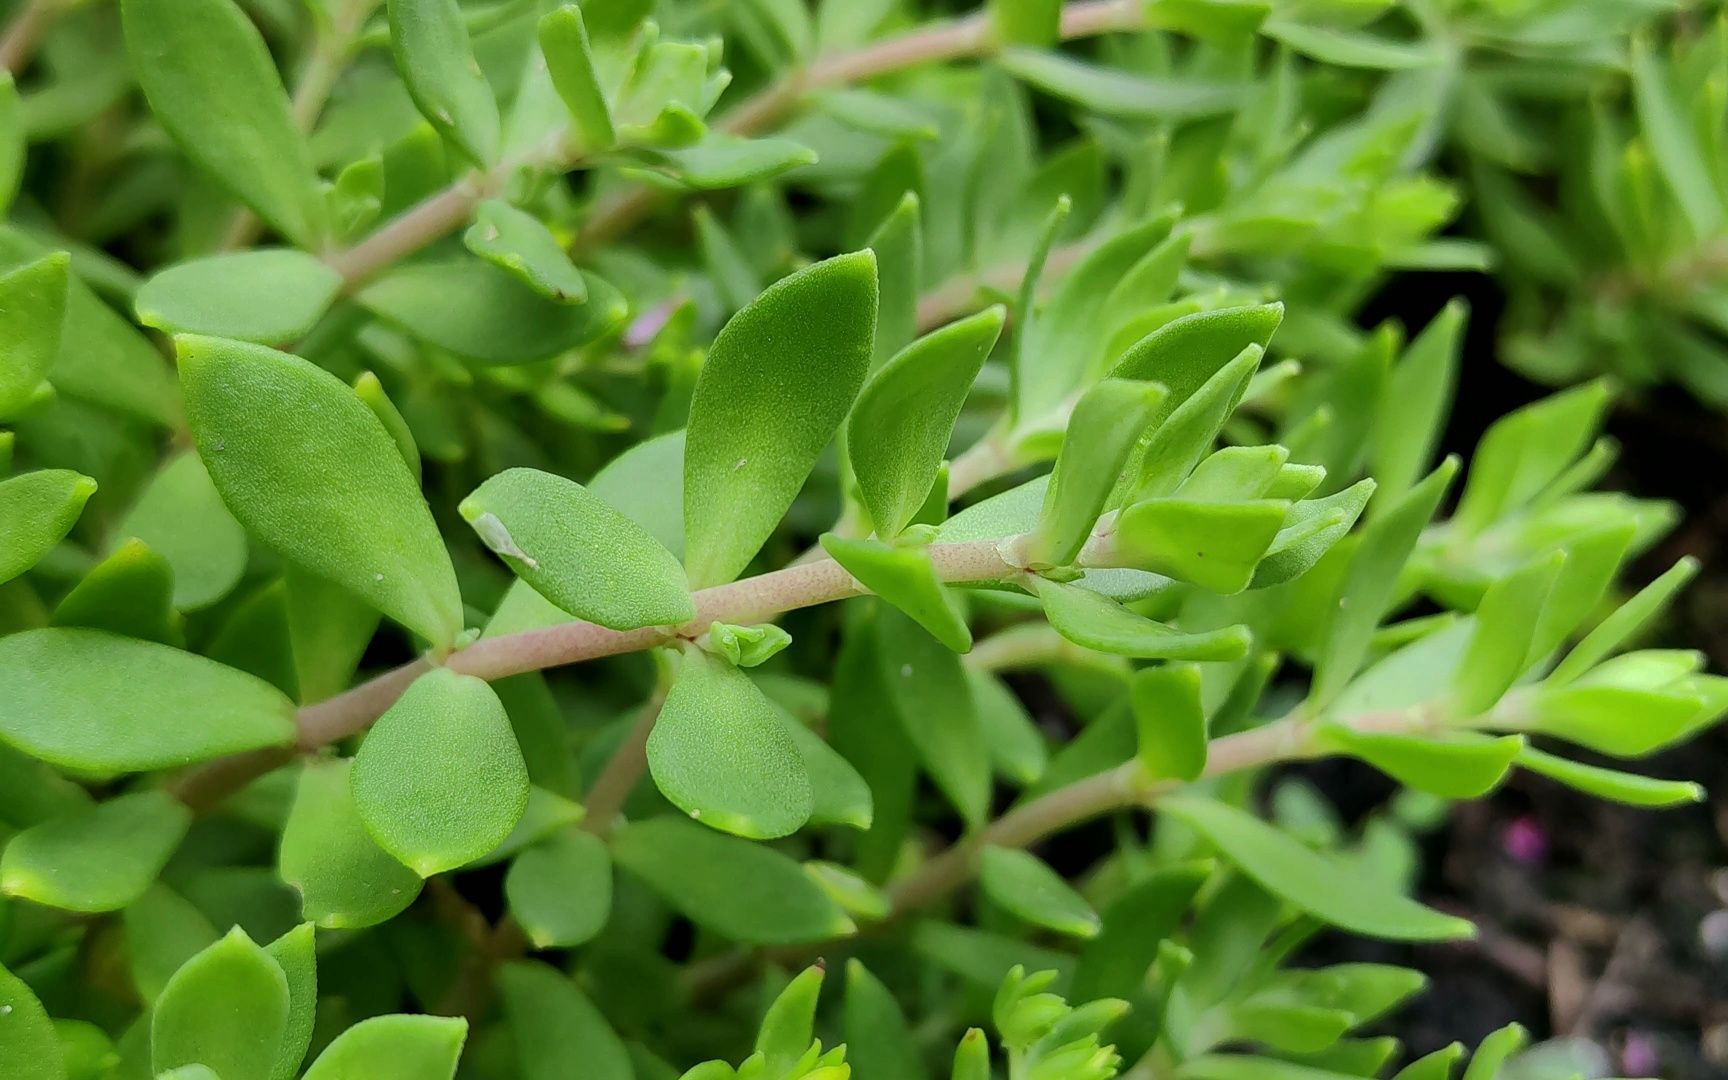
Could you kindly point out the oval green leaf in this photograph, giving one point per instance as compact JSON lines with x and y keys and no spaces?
{"x":1022,"y":884}
{"x":29,"y":1049}
{"x":37,"y":510}
{"x":560,"y":889}
{"x":241,"y":1039}
{"x":345,"y":880}
{"x":32,"y":315}
{"x":436,"y":60}
{"x":181,"y":517}
{"x":393,"y":1048}
{"x":100,"y":858}
{"x":268,"y":295}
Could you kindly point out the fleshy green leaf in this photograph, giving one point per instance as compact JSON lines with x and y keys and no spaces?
{"x":777,"y":382}
{"x":439,"y":780}
{"x":898,"y":242}
{"x":720,"y":160}
{"x":1311,"y":881}
{"x":517,"y":242}
{"x":131,"y":593}
{"x":839,"y":796}
{"x":1117,"y":93}
{"x":1313,"y":528}
{"x":972,"y":1056}
{"x":13,"y":144}
{"x":899,"y":429}
{"x":1462,"y":766}
{"x":1506,"y":623}
{"x":272,"y":296}
{"x":1673,"y":143}
{"x":241,"y":1039}
{"x":1021,"y":883}
{"x":1186,"y":352}
{"x":344,"y":878}
{"x":32,"y":315}
{"x":1135,"y":926}
{"x":1213,"y":545}
{"x":789,"y":1025}
{"x":744,"y":646}
{"x":933,"y":703}
{"x":1108,"y":422}
{"x":738,"y":889}
{"x":393,"y":1048}
{"x":29,"y":1049}
{"x":879,"y":1041}
{"x":719,"y":753}
{"x":904,"y":577}
{"x":1097,"y":622}
{"x":37,"y":510}
{"x":1171,"y":721}
{"x":558,"y":1031}
{"x":211,"y":82}
{"x":560,"y":889}
{"x":578,"y":552}
{"x":1626,"y":621}
{"x":488,"y":314}
{"x":1017,"y":747}
{"x":1611,"y":784}
{"x":564,"y":42}
{"x":296,"y":954}
{"x":1414,"y":405}
{"x":101,"y":858}
{"x":436,"y":61}
{"x":182,"y":518}
{"x":1494,"y":1050}
{"x":1186,"y":433}
{"x":371,"y":392}
{"x":313,"y":475}
{"x":85,"y":699}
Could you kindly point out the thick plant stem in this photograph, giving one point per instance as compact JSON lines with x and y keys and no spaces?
{"x":753,"y":599}
{"x":605,"y":797}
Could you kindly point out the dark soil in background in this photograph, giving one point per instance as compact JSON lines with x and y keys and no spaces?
{"x":1598,"y":921}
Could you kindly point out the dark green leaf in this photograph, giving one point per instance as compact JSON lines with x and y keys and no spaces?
{"x":182,"y":518}
{"x":1097,"y":622}
{"x":129,"y":593}
{"x":1025,"y":886}
{"x":558,"y":1031}
{"x":436,"y":61}
{"x":560,"y":889}
{"x":1118,"y":93}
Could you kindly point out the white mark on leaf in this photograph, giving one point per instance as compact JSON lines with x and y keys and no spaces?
{"x":495,"y":536}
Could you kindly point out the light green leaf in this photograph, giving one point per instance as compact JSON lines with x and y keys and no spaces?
{"x":1098,"y":622}
{"x":487,"y":314}
{"x":239,"y":1040}
{"x":1117,"y":93}
{"x":211,"y":82}
{"x":182,"y":518}
{"x":1526,"y":450}
{"x":720,"y":160}
{"x":778,"y":380}
{"x":271,"y":296}
{"x":646,"y":484}
{"x":1627,"y":620}
{"x":1026,"y":22}
{"x":1313,"y":527}
{"x":1186,"y":353}
{"x":564,"y":43}
{"x":393,"y":1048}
{"x":163,"y":931}
{"x":1185,"y":435}
{"x":439,"y":780}
{"x":296,"y":954}
{"x":436,"y":61}
{"x":880,"y":1044}
{"x":37,"y":510}
{"x":735,"y":279}
{"x":719,"y":753}
{"x":1354,"y":49}
{"x":1415,"y":403}
{"x":1500,"y":645}
{"x":85,"y":699}
{"x":558,"y":1032}
{"x":1436,"y":1066}
{"x":29,"y":1049}
{"x":788,"y":1026}
{"x":578,"y":552}
{"x":744,"y":646}
{"x":1107,"y":425}
{"x":32,"y":316}
{"x":972,"y":1056}
{"x":31,"y":792}
{"x":1017,"y":747}
{"x":1022,"y":884}
{"x":927,"y":687}
{"x":518,"y":242}
{"x":13,"y":143}
{"x":1213,"y":545}
{"x":1611,"y":784}
{"x":1371,"y":581}
{"x":1674,"y":145}
{"x":345,"y":880}
{"x":1462,"y":765}
{"x":1170,"y":720}
{"x":854,"y":894}
{"x":743,"y":891}
{"x":129,"y":593}
{"x":371,"y":392}
{"x":1494,"y":1050}
{"x":899,"y":246}
{"x":560,"y":889}
{"x":1313,"y":882}
{"x":100,"y":858}
{"x":313,"y":475}
{"x":904,"y":577}
{"x":839,"y":796}
{"x":900,"y":426}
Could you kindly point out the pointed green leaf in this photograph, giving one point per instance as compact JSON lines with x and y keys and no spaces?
{"x":271,"y":296}
{"x":789,"y":1025}
{"x":1626,"y":621}
{"x":1017,"y":748}
{"x":313,"y":475}
{"x":1171,"y":721}
{"x":1673,"y":143}
{"x":578,"y":552}
{"x":32,"y":315}
{"x":163,"y":931}
{"x":182,"y":518}
{"x":645,"y":484}
{"x":558,"y":1031}
{"x":13,"y":143}
{"x":37,"y":510}
{"x":930,"y":696}
{"x":1107,"y":424}
{"x":241,"y":1039}
{"x":370,"y":391}
{"x":898,"y":242}
{"x":128,"y":593}
{"x":1021,"y":883}
{"x":85,"y":699}
{"x":436,"y":61}
{"x":1238,"y":472}
{"x":564,"y":43}
{"x":720,"y":160}
{"x":1526,"y":450}
{"x":1500,"y":645}
{"x":1460,"y":766}
{"x":1184,"y":354}
{"x":31,"y":792}
{"x":1119,"y":93}
{"x":1313,"y":527}
{"x":972,"y":1056}
{"x":1213,"y":545}
{"x":734,"y":277}
{"x":211,"y":82}
{"x":393,"y":1048}
{"x":1611,"y":784}
{"x":29,"y":1049}
{"x":1186,"y":433}
{"x":839,"y":796}
{"x":744,"y":646}
{"x":1436,"y":1066}
{"x":439,"y":780}
{"x":1415,"y":403}
{"x":1136,"y":924}
{"x":880,"y":1044}
{"x":900,"y":426}
{"x":488,"y":314}
{"x":296,"y":954}
{"x":517,"y":242}
{"x":778,"y":380}
{"x":743,"y":891}
{"x":1097,"y":622}
{"x":101,"y":858}
{"x":1309,"y":880}
{"x":720,"y":755}
{"x":1494,"y":1051}
{"x":904,"y":577}
{"x":560,"y":889}
{"x":344,"y":878}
